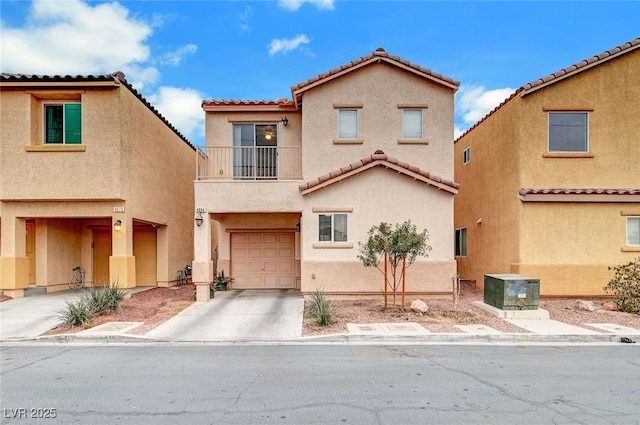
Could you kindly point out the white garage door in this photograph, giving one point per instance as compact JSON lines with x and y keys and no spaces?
{"x":263,"y":260}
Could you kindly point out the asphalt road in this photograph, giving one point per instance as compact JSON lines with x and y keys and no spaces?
{"x":330,"y":384}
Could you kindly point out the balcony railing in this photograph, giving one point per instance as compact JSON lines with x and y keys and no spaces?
{"x":249,"y":163}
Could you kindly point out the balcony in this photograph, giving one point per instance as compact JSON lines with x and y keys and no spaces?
{"x":249,"y":163}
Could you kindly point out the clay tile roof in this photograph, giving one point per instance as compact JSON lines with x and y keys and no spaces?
{"x":563,"y":73}
{"x":117,"y":77}
{"x":375,"y":56}
{"x":567,"y":191}
{"x":239,"y":102}
{"x":380,"y":158}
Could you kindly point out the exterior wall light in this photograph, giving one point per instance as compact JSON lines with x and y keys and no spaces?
{"x":285,"y":121}
{"x":199,"y":219}
{"x":117,"y":225}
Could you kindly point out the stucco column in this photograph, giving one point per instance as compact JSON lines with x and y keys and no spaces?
{"x":122,"y":263}
{"x":14,"y":264}
{"x":202,"y":272}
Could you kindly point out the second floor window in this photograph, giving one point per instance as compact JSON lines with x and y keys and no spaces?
{"x":63,"y":123}
{"x":348,"y":124}
{"x":568,"y":132}
{"x":255,"y":150}
{"x":412,"y":124}
{"x":466,"y":155}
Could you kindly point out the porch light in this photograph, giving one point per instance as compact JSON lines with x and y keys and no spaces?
{"x":117,"y":225}
{"x":199,"y":219}
{"x":285,"y":121}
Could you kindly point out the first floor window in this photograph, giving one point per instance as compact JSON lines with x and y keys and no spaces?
{"x":568,"y":132}
{"x":633,"y":231}
{"x":332,"y":227}
{"x":63,"y":123}
{"x":461,"y":242}
{"x":348,"y":123}
{"x":412,"y":124}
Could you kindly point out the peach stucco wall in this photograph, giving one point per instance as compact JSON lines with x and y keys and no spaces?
{"x":128,"y":159}
{"x":380,"y":121}
{"x":567,"y":245}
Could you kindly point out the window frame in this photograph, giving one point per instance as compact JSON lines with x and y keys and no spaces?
{"x":45,"y":128}
{"x":404,"y":121}
{"x":627,"y":233}
{"x":357,"y":123}
{"x":461,"y":249}
{"x":586,"y":132}
{"x":332,"y":227}
{"x":466,"y":155}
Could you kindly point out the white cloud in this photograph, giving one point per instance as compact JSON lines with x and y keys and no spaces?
{"x":474,"y":102}
{"x":294,"y":5}
{"x":174,"y":58}
{"x":182,"y":108}
{"x":245,"y":25}
{"x":285,"y":45}
{"x":72,"y":37}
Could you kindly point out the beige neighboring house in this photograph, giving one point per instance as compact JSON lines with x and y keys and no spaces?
{"x":91,"y":175}
{"x":288,"y":188}
{"x":550,"y":180}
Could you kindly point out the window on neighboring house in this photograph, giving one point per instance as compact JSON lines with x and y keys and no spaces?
{"x":63,"y":123}
{"x":568,"y":132}
{"x":348,"y":123}
{"x":466,"y":155}
{"x":255,"y":151}
{"x":332,"y":227}
{"x":461,"y":242}
{"x":412,"y":124}
{"x":633,"y":231}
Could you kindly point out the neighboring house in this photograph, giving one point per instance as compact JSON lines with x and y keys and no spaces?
{"x":550,"y":180}
{"x":288,"y":188}
{"x":91,"y":175}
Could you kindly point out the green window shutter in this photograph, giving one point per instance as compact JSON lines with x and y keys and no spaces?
{"x":72,"y":123}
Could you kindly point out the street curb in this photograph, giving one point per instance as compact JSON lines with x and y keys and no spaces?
{"x":441,"y":338}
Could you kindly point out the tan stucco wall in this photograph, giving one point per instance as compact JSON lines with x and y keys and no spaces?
{"x":567,"y":245}
{"x":487,"y":203}
{"x":128,"y":159}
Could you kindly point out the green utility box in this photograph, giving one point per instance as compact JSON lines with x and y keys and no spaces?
{"x":512,"y":291}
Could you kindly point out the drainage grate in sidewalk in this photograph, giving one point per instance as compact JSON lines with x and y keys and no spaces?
{"x":408,"y":328}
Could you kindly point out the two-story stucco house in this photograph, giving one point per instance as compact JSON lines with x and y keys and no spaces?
{"x":550,"y":180}
{"x":287,"y":189}
{"x":91,"y":175}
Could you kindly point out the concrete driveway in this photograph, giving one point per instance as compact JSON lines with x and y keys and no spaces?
{"x":30,"y":316}
{"x":238,"y":315}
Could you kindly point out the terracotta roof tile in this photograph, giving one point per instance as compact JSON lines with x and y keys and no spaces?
{"x":567,"y":191}
{"x":378,"y":53}
{"x":238,"y":102}
{"x":377,"y":156}
{"x":628,"y":46}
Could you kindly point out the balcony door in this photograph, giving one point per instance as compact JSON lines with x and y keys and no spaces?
{"x":255,"y":151}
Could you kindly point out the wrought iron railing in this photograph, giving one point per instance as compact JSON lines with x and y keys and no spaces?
{"x":249,"y":163}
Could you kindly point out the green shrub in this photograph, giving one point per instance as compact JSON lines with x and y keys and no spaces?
{"x":104,"y":300}
{"x":321,"y":309}
{"x":77,"y":313}
{"x":625,"y":286}
{"x":94,"y":302}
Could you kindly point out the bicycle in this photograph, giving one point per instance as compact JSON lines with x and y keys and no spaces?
{"x":77,"y":278}
{"x":183,"y":275}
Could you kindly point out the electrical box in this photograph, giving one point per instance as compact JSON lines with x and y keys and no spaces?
{"x":511,"y":291}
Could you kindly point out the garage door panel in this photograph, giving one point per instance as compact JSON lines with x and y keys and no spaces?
{"x":263,"y":260}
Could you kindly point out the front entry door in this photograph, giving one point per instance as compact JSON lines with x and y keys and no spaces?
{"x":31,"y":250}
{"x":101,"y":254}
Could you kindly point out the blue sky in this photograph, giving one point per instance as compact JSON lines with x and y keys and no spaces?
{"x":177,"y":53}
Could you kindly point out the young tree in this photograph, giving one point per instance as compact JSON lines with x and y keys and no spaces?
{"x":397,"y":247}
